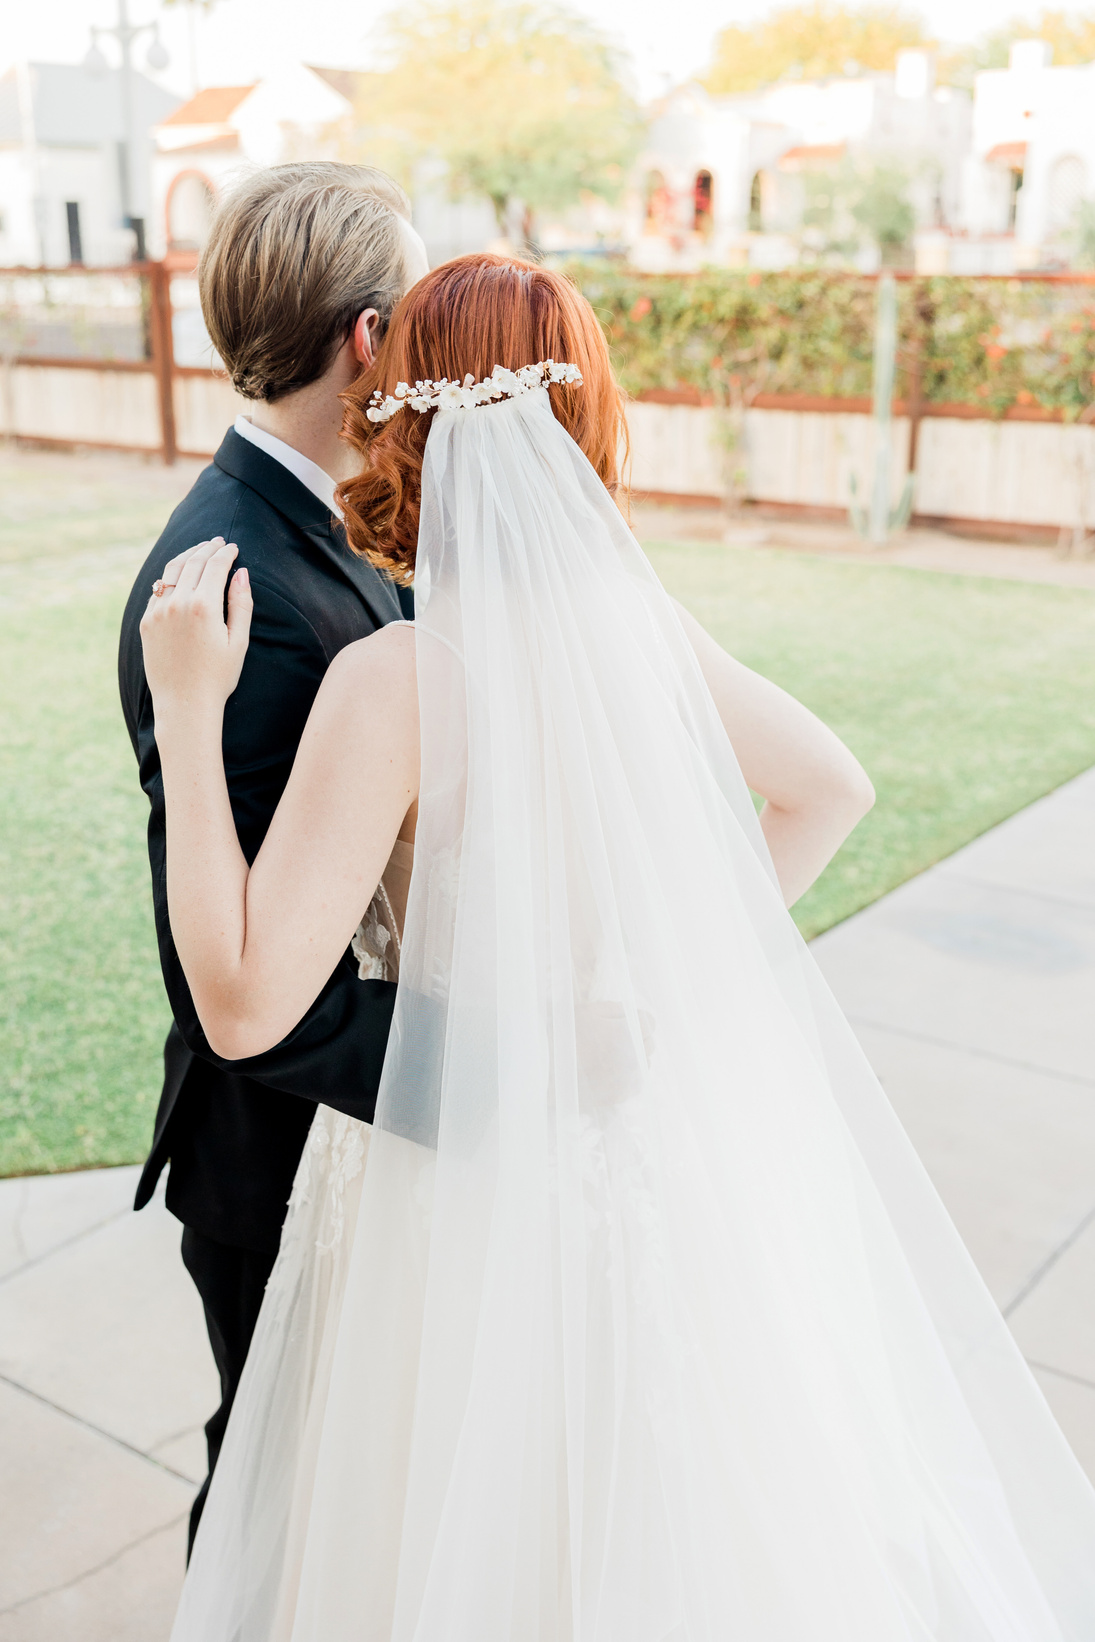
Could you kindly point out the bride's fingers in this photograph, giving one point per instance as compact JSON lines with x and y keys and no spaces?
{"x":240,"y":606}
{"x":173,"y":568}
{"x":212,"y":571}
{"x":190,"y":573}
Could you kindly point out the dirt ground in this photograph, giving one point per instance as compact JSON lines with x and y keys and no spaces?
{"x":95,"y":506}
{"x":916,"y":549}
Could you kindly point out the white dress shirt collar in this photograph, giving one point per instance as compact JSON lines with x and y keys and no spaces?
{"x":301,"y":467}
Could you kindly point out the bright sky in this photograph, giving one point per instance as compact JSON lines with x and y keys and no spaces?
{"x":239,"y":40}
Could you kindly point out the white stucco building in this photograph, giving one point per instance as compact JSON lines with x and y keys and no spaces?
{"x":225,"y":129}
{"x":62,"y":150}
{"x":721,"y":179}
{"x":1032,"y":158}
{"x":995,"y":180}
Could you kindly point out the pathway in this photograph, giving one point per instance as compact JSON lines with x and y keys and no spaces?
{"x":971,"y":989}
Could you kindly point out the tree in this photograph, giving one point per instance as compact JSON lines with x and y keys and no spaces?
{"x":882,"y":208}
{"x":869,"y":199}
{"x":1071,"y":35}
{"x":810,"y":41}
{"x":519,"y":99}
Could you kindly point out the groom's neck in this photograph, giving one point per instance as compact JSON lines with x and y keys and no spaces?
{"x":310,"y":419}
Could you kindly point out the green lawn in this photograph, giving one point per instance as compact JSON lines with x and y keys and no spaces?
{"x":964,"y":698}
{"x":83,"y":1011}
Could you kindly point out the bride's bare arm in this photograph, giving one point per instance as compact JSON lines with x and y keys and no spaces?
{"x":258,"y":944}
{"x":815,"y":790}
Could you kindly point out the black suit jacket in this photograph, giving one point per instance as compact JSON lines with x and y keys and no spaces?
{"x":234,"y":1130}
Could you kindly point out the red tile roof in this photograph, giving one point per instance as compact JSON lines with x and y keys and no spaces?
{"x":211,"y":106}
{"x":1013,"y":154}
{"x":812,"y":156}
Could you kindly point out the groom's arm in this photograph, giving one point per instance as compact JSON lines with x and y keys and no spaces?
{"x":336,"y":1053}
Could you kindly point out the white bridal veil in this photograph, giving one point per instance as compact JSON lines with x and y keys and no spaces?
{"x":635,"y":1318}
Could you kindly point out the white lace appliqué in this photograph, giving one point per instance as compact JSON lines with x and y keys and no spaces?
{"x":376,"y":944}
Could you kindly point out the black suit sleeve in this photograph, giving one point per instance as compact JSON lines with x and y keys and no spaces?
{"x":336,"y":1053}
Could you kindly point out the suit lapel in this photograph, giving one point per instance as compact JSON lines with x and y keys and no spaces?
{"x":276,"y":485}
{"x":374,"y":589}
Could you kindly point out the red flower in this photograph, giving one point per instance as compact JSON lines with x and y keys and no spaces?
{"x":641,"y":308}
{"x":995,"y":352}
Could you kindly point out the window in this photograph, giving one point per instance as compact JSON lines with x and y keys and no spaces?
{"x":657,"y":202}
{"x":1015,"y":185}
{"x":702,"y":200}
{"x":756,"y":204}
{"x":75,"y":241}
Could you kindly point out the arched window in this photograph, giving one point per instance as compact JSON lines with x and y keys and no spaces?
{"x":756,"y":204}
{"x":190,"y":202}
{"x":656,"y":196}
{"x":702,"y":201}
{"x":1067,"y":187}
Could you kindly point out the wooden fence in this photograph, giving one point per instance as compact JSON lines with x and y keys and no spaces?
{"x":152,"y":404}
{"x":1027,"y":473}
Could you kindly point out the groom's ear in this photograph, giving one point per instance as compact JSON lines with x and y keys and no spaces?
{"x":365,"y":335}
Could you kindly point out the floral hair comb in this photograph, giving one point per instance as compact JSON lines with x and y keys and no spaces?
{"x":446,"y":395}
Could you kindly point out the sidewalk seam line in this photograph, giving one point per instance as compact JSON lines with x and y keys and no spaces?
{"x":969,"y":1049}
{"x":1061,"y":1373}
{"x":1015,"y":889}
{"x":77,"y":1579}
{"x":1049,"y":1262}
{"x":98,"y":1431}
{"x":76,"y":1237}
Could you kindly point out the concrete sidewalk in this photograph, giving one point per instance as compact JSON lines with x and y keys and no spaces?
{"x":972,"y":990}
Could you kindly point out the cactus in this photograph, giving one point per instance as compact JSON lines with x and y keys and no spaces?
{"x":877,"y":520}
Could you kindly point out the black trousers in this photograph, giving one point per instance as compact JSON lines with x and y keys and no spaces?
{"x":231,"y":1283}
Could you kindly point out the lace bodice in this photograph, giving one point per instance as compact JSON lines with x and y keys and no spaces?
{"x":378,"y":941}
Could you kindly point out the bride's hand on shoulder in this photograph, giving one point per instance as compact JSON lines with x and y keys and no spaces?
{"x":192,"y":656}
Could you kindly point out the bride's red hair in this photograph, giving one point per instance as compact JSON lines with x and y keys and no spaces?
{"x":469,"y":315}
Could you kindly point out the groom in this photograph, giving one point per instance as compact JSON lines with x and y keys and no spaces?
{"x":298,"y":281}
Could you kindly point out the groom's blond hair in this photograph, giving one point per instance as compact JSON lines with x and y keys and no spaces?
{"x":295,"y":253}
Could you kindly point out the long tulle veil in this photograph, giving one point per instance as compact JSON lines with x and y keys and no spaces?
{"x":641,"y":1322}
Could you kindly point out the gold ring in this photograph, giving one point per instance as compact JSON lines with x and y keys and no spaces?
{"x":160,"y":588}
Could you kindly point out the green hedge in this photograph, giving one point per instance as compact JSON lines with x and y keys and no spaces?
{"x":995,"y":343}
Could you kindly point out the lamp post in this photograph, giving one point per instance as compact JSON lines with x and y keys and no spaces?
{"x":126,"y":33}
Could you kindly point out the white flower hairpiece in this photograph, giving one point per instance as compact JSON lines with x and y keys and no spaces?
{"x":446,"y":395}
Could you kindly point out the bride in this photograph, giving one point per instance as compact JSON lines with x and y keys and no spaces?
{"x":633,"y":1317}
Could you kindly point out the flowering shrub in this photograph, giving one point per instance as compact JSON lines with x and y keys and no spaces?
{"x":734,"y":333}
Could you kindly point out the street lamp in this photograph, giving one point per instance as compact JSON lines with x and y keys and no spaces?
{"x":125,"y":33}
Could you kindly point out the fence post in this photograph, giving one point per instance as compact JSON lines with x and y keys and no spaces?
{"x":163,"y":355}
{"x":923,"y":315}
{"x":885,"y":359}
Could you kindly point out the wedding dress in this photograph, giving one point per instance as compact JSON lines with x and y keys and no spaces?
{"x":634,"y":1317}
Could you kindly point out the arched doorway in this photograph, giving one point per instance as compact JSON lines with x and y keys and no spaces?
{"x":1067,"y":188}
{"x":190,"y":203}
{"x":658,"y":203}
